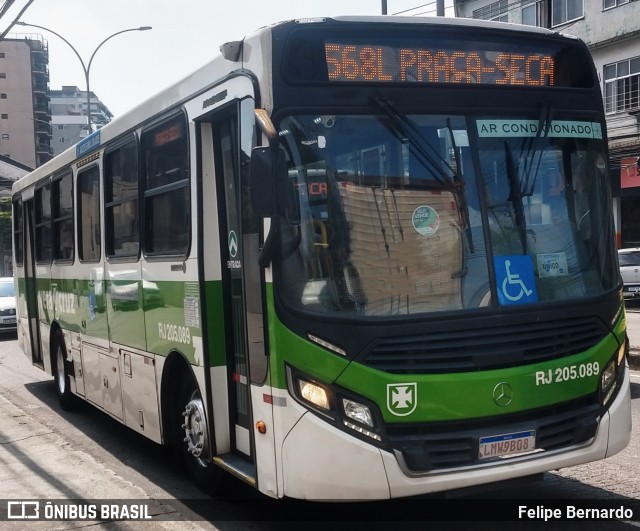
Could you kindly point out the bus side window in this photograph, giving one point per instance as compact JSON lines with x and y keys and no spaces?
{"x":121,"y":202}
{"x":43,"y":223}
{"x":89,"y":237}
{"x":63,"y":237}
{"x":18,"y":232}
{"x":166,"y":196}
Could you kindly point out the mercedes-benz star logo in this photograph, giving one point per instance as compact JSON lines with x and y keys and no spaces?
{"x":502,"y":394}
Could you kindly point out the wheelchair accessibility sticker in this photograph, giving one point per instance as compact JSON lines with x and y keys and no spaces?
{"x":515,"y":278}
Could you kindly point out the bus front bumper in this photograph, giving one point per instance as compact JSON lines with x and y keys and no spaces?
{"x":323,"y":463}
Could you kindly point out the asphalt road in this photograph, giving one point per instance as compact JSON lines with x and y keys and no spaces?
{"x":46,"y":453}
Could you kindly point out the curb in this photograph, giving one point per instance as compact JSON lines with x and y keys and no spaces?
{"x":634,"y":357}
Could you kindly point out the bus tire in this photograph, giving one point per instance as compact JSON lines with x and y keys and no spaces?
{"x":61,"y":373}
{"x":192,"y":437}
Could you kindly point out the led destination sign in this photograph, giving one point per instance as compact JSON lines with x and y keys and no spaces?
{"x":371,"y":63}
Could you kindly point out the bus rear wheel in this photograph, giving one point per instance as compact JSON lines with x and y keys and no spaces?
{"x":61,"y":374}
{"x":192,"y":438}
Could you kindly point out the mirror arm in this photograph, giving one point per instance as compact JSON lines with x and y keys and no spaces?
{"x":266,"y":126}
{"x":268,"y":248}
{"x":263,"y":120}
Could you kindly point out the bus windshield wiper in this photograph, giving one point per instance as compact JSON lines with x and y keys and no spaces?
{"x":405,"y":129}
{"x":531,"y":175}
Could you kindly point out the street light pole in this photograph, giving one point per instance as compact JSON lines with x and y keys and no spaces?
{"x":85,"y":68}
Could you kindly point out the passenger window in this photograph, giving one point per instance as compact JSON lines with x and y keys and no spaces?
{"x":63,"y":237}
{"x":43,"y":223}
{"x":166,"y":198}
{"x":89,"y":235}
{"x":18,"y":232}
{"x":121,"y":202}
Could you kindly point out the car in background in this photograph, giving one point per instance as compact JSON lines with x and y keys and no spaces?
{"x":8,"y":315}
{"x":629,"y":260}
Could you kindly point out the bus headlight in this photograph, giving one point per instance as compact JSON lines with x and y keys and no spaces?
{"x":362,"y":416}
{"x":358,"y":412}
{"x":608,"y":376}
{"x":607,"y":380}
{"x":314,"y":394}
{"x":340,"y":407}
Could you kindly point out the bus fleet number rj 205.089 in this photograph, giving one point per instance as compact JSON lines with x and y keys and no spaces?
{"x":171,"y":332}
{"x":564,"y":374}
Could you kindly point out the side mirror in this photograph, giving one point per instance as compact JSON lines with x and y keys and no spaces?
{"x":262,"y":181}
{"x":273,"y":192}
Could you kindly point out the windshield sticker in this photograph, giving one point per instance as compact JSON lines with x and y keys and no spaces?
{"x":425,"y":220}
{"x":529,"y":128}
{"x":321,"y":142}
{"x":552,"y":265}
{"x":515,"y":278}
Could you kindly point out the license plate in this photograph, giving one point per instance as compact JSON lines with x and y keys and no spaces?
{"x":9,"y":320}
{"x":507,"y":444}
{"x":635,"y":289}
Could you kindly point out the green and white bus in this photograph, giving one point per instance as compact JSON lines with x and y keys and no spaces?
{"x":350,"y":258}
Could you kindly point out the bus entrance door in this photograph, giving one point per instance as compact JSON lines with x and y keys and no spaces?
{"x":237,"y":349}
{"x":232,"y":253}
{"x":32,"y":335}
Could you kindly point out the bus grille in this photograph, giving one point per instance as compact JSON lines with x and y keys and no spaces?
{"x":483,"y":348}
{"x":426,"y":447}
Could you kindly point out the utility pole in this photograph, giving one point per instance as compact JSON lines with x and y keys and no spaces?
{"x":384,"y":7}
{"x":440,"y":8}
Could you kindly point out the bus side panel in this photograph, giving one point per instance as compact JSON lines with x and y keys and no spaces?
{"x":91,"y":315}
{"x":46,"y":311}
{"x":171,"y":302}
{"x":64,"y":294}
{"x":124,"y":304}
{"x":140,"y":394}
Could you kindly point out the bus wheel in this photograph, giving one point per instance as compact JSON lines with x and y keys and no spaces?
{"x":192,"y":438}
{"x":61,"y":374}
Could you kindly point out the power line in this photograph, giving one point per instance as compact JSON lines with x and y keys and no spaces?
{"x":4,"y":33}
{"x":414,"y":8}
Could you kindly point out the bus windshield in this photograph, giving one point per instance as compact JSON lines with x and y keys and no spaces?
{"x":402,"y":214}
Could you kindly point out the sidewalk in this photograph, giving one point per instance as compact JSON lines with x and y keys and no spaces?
{"x":38,"y":464}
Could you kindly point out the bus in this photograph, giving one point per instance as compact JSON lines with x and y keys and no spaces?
{"x":350,"y":258}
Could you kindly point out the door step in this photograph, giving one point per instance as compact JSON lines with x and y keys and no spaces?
{"x":237,"y":466}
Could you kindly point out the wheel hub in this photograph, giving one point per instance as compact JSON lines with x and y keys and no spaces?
{"x":60,"y":371}
{"x":195,"y":429}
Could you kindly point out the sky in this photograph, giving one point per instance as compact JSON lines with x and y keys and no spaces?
{"x":186,"y":34}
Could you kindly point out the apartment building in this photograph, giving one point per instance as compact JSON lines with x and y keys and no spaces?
{"x":611,"y":29}
{"x":25,"y":130}
{"x":69,"y":116}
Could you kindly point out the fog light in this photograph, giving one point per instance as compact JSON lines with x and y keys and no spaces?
{"x":357,"y":411}
{"x":314,"y":394}
{"x":361,"y":430}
